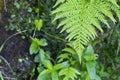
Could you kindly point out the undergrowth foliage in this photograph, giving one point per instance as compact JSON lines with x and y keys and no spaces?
{"x":81,"y":18}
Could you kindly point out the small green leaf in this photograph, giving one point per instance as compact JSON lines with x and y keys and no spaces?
{"x":90,"y":57}
{"x":17,"y":5}
{"x":42,"y":55}
{"x":33,"y":48}
{"x":37,"y":10}
{"x":29,"y":9}
{"x":38,"y":24}
{"x":13,"y":16}
{"x":37,"y":58}
{"x":36,"y":40}
{"x":48,"y":64}
{"x":89,"y":49}
{"x":46,"y":71}
{"x":40,"y":68}
{"x":44,"y":42}
{"x":44,"y":75}
{"x":89,"y":54}
{"x":41,"y":42}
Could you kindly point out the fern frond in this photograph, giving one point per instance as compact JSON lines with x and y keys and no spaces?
{"x":81,"y":18}
{"x":69,"y":73}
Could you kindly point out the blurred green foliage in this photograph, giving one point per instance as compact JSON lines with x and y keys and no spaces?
{"x":53,"y":57}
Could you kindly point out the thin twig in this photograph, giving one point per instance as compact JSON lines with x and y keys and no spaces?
{"x":1,"y":47}
{"x":7,"y":63}
{"x":14,"y":35}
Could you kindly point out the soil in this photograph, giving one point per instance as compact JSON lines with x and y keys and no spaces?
{"x":15,"y":61}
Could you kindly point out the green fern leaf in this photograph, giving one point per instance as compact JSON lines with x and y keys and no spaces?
{"x":69,"y":73}
{"x":81,"y":18}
